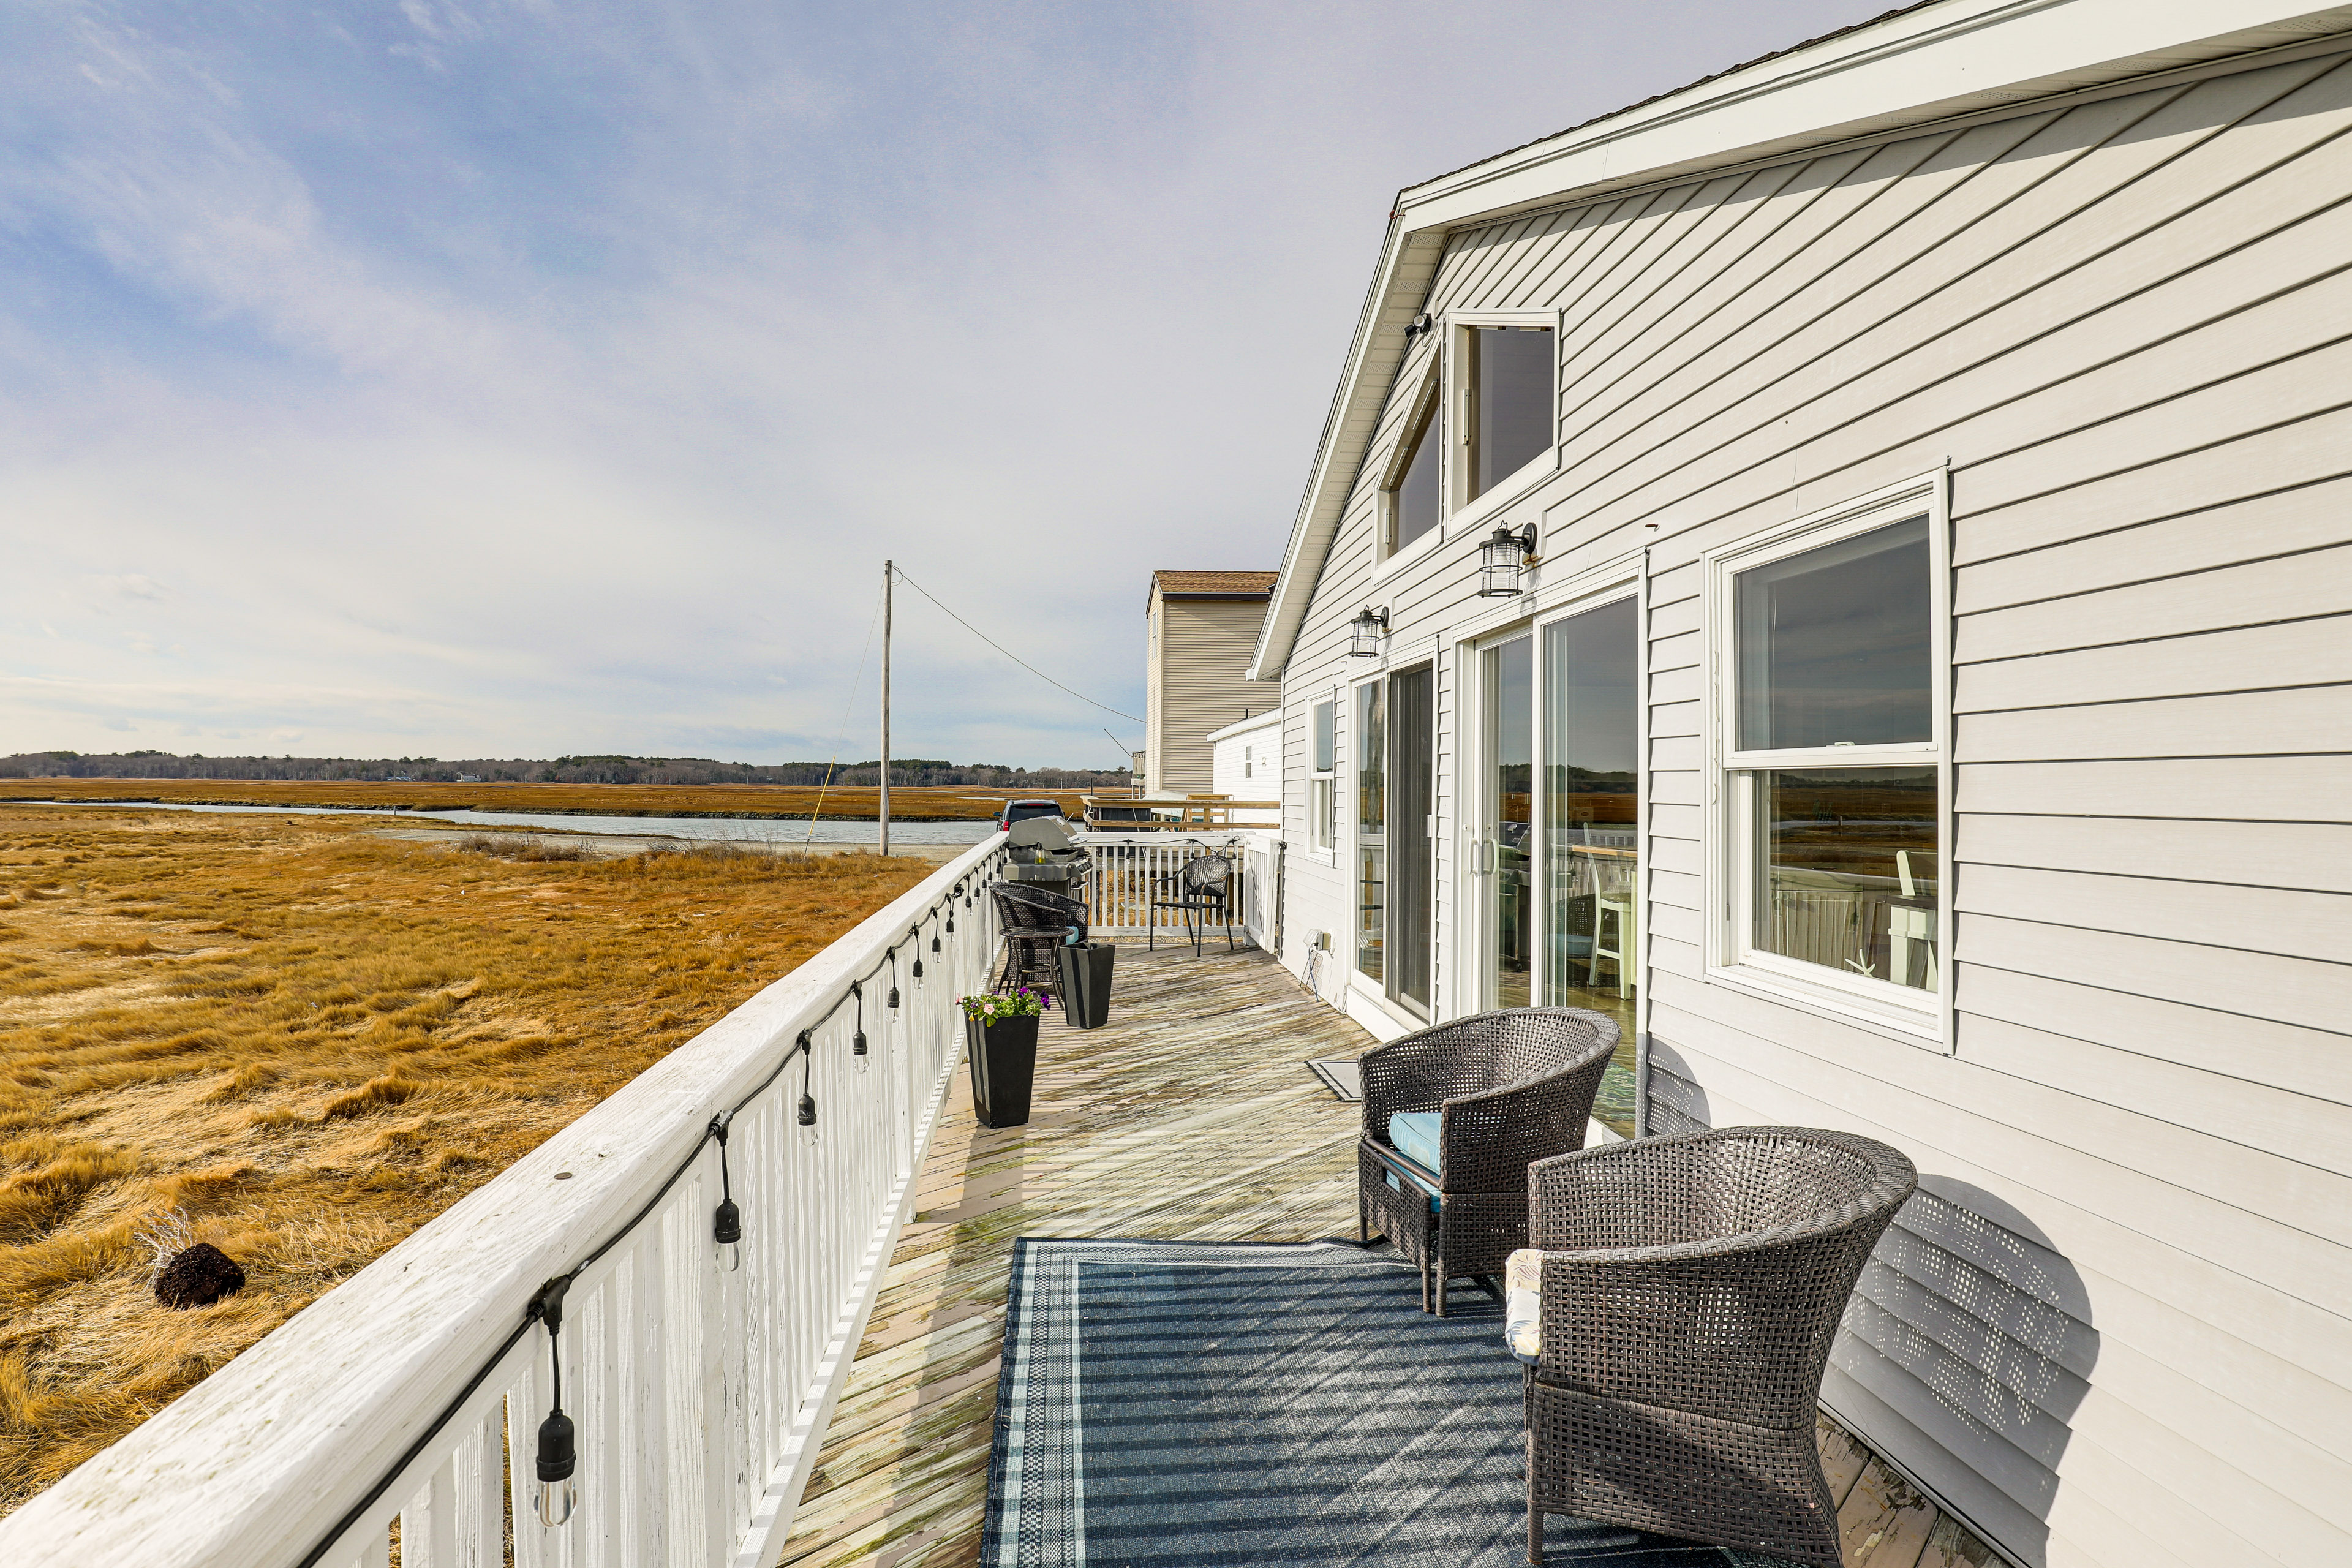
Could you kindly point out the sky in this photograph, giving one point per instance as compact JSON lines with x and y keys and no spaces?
{"x":451,"y":378}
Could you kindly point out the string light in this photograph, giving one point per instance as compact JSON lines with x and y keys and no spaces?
{"x":857,"y":1040}
{"x":727,"y":1222}
{"x":915,"y":935}
{"x":808,"y":1101}
{"x":558,"y":1452}
{"x":893,"y":1002}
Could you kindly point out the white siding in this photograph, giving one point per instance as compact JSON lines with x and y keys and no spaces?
{"x":2112,"y":1329}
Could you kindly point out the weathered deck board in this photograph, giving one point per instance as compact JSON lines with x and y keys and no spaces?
{"x":1190,"y":1116}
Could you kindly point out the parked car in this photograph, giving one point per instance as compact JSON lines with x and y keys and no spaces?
{"x":1023,"y":810}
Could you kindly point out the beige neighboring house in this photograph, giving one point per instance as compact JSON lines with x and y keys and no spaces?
{"x":1202,"y":629}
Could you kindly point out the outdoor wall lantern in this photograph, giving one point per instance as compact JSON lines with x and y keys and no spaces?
{"x":1365,"y":632}
{"x":1502,"y":558}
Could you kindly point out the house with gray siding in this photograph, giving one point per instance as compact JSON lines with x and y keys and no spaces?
{"x":1201,"y":632}
{"x":1846,"y":568}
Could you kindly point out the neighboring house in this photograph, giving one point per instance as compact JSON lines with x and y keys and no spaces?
{"x":1925,"y":714}
{"x":1247,"y":763}
{"x":1202,"y":629}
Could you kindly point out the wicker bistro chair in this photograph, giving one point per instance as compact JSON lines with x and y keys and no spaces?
{"x":1202,"y":887}
{"x":1690,"y":1287}
{"x":1509,"y":1089}
{"x":1033,"y":923}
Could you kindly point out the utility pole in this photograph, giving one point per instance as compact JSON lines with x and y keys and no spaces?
{"x":886,"y":574}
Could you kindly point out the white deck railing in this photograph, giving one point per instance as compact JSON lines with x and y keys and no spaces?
{"x":1130,"y":870}
{"x":411,"y":1395}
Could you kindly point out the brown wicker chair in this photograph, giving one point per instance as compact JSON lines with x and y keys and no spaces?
{"x":1691,"y":1286}
{"x":1510,"y":1087}
{"x":1031,"y":924}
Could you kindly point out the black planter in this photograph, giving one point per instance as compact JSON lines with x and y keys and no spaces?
{"x":1003,"y":1065}
{"x":1086,"y":983}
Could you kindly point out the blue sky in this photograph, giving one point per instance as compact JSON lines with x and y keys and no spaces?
{"x":457,"y":379}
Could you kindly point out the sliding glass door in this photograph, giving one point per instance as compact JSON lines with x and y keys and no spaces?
{"x":1396,"y":777}
{"x":1553,"y":883}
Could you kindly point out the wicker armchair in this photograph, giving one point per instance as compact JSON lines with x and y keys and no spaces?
{"x":1510,"y":1088}
{"x":1033,"y":922}
{"x":1690,"y":1289}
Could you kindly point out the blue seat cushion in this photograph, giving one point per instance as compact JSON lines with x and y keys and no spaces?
{"x":1413,"y":1135}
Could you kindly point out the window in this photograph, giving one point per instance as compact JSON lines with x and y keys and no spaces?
{"x":1371,"y":827}
{"x":1249,"y":760}
{"x":1321,"y":830}
{"x":1833,"y":764}
{"x":1509,"y":412}
{"x":1410,"y":500}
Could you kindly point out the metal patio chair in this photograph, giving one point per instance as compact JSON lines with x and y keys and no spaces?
{"x":1690,"y":1287}
{"x":1202,"y":887}
{"x":1510,"y":1089}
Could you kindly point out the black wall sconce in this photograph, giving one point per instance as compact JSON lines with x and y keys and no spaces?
{"x":1502,"y":558}
{"x":1365,"y":632}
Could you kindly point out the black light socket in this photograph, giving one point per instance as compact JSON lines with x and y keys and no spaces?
{"x":558,"y":1451}
{"x":808,"y":1111}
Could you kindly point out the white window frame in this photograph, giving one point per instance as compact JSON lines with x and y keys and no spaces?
{"x":1428,"y":384}
{"x":1731,"y":891}
{"x":1461,"y":514}
{"x":1323,"y":785}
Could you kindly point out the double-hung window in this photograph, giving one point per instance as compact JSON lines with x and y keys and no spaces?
{"x":1832,"y":725}
{"x":1322,"y":786}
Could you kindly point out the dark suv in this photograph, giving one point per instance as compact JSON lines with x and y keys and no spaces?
{"x":1023,"y":810}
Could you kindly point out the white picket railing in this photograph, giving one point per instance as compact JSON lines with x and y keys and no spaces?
{"x":1131,"y":871}
{"x":699,"y":1395}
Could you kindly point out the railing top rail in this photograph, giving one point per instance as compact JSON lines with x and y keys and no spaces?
{"x":255,"y":1465}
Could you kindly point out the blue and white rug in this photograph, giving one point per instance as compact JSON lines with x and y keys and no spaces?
{"x":1164,"y":1405}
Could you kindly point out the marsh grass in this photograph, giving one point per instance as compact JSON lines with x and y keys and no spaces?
{"x":299,"y":1042}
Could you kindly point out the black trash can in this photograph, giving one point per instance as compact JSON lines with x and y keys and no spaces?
{"x":1086,"y":981}
{"x":1003,"y":1067}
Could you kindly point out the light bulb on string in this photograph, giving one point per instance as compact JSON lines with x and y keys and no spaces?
{"x":915,"y":933}
{"x":557,"y":1454}
{"x":893,"y":1002}
{"x":727,"y":1221}
{"x":808,"y":1102}
{"x":857,"y":1040}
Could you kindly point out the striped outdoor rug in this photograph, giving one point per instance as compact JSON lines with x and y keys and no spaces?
{"x":1167,"y":1403}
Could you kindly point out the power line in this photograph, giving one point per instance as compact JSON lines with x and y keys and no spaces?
{"x":1008,"y":653}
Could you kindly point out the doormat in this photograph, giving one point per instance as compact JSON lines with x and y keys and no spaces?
{"x":1343,"y":1076}
{"x":1181,"y":1404}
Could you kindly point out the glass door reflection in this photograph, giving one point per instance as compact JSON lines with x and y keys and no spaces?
{"x":1511,"y":720}
{"x":1591,"y":835}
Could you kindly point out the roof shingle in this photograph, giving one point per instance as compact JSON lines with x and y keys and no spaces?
{"x":1221,"y":584}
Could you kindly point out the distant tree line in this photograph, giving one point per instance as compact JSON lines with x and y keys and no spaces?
{"x":913,"y":771}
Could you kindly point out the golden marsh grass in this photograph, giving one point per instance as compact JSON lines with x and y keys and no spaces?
{"x":300,"y":1041}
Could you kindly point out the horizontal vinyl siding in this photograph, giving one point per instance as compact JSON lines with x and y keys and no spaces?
{"x":1205,"y":646}
{"x":2112,"y":1327}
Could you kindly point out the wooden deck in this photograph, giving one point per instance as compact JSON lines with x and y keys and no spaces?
{"x":1189,"y":1117}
